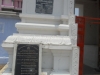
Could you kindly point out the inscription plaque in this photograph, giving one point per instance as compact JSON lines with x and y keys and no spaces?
{"x":44,"y":6}
{"x":27,"y":60}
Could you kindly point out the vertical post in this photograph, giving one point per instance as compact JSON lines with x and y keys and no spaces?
{"x":75,"y":61}
{"x":99,"y":50}
{"x":71,"y":7}
{"x":18,"y":4}
{"x":1,"y":1}
{"x":14,"y":4}
{"x":81,"y":32}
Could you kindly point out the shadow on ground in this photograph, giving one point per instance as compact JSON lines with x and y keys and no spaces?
{"x":90,"y":71}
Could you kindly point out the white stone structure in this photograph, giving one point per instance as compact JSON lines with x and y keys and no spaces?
{"x":56,"y":33}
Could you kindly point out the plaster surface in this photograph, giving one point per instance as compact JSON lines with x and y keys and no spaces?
{"x":57,"y":34}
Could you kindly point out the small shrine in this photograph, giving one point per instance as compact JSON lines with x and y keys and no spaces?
{"x":47,"y":40}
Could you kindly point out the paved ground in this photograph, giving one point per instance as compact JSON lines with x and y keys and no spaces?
{"x":90,"y":71}
{"x":87,"y":70}
{"x":1,"y":66}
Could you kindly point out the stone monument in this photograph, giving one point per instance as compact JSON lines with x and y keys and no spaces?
{"x":47,"y":40}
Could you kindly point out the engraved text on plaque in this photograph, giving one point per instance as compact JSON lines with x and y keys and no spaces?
{"x":27,"y":60}
{"x":44,"y":6}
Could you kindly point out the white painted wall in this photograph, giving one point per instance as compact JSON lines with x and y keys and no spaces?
{"x":29,"y":7}
{"x":61,"y":11}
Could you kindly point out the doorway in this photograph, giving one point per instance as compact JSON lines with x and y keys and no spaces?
{"x":91,"y":36}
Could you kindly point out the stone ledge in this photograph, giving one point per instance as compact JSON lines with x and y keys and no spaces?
{"x":9,"y":14}
{"x":35,"y":28}
{"x":39,"y":16}
{"x":37,"y":39}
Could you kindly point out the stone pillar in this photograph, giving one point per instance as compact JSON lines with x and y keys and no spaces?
{"x":75,"y":61}
{"x":73,"y":30}
{"x":70,"y":7}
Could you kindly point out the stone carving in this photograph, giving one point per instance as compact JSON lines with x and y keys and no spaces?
{"x":44,"y":39}
{"x":44,"y":6}
{"x":74,"y":40}
{"x":75,"y":61}
{"x":71,"y":7}
{"x":73,"y":30}
{"x":73,"y":26}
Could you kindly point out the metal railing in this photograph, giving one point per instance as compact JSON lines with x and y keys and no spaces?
{"x":17,"y":4}
{"x":11,"y":4}
{"x":7,"y":4}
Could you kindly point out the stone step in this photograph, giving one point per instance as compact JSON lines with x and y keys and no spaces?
{"x":9,"y":13}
